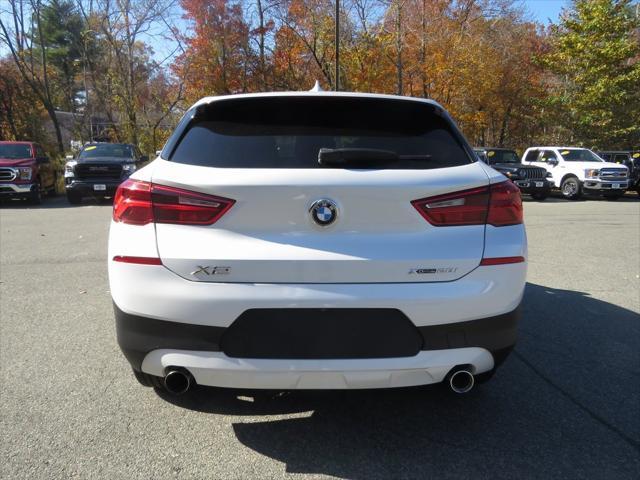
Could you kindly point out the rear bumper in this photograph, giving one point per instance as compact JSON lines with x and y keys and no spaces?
{"x":164,"y":320}
{"x":153,"y":345}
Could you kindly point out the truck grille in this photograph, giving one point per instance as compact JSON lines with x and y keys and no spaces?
{"x":308,"y":333}
{"x":7,"y":174}
{"x":533,"y":173}
{"x":613,"y":174}
{"x":98,"y":171}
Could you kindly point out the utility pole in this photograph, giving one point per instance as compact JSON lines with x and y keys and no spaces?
{"x":336,"y":83}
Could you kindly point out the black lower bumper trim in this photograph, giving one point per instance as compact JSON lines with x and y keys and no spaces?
{"x":492,"y":333}
{"x":137,"y":336}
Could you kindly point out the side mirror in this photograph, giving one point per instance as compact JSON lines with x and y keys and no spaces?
{"x":158,"y":152}
{"x":144,"y":158}
{"x":69,"y":157}
{"x":43,"y":160}
{"x":553,"y":162}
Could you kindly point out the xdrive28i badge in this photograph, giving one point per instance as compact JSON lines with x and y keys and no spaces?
{"x":324,"y":212}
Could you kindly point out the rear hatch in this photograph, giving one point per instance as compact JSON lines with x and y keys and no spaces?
{"x":262,"y":153}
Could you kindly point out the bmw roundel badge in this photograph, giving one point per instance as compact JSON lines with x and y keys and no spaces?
{"x":324,"y":212}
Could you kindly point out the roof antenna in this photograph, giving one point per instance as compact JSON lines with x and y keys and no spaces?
{"x":317,"y":87}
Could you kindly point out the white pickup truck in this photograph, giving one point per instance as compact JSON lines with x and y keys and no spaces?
{"x":578,"y":170}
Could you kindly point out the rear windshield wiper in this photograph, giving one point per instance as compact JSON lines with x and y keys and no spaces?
{"x":342,"y":156}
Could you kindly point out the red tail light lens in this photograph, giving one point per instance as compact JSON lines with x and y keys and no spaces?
{"x":139,"y":203}
{"x":498,"y":205}
{"x":468,"y":207}
{"x":505,"y":206}
{"x":132,"y":203}
{"x":174,"y":205}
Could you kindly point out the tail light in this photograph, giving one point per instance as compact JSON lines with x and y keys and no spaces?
{"x":505,"y":205}
{"x":140,"y":203}
{"x":498,"y":205}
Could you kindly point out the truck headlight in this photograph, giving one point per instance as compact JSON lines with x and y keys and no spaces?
{"x":68,"y":169}
{"x":591,"y":173}
{"x":129,"y":168}
{"x":24,"y":173}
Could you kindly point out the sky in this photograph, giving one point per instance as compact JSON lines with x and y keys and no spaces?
{"x":545,"y":11}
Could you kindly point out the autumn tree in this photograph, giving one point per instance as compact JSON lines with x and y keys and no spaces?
{"x":20,"y":111}
{"x":217,"y":58}
{"x":28,"y":48}
{"x":305,"y":44}
{"x":117,"y":63}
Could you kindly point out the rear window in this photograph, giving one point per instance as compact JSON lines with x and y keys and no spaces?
{"x":288,"y":132}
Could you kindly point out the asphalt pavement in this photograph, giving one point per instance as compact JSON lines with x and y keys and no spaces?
{"x":566,"y":404}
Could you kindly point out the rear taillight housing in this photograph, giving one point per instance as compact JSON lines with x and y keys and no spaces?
{"x":498,"y":205}
{"x":505,"y":205}
{"x":140,"y":203}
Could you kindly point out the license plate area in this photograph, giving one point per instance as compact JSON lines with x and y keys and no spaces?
{"x":539,"y":184}
{"x":315,"y":333}
{"x":99,"y":187}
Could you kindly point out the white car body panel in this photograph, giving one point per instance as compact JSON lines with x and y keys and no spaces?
{"x":487,"y":291}
{"x":268,"y":235}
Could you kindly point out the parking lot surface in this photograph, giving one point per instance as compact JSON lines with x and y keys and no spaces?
{"x":565,"y":404}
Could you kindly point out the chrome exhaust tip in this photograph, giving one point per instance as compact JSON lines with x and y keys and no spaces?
{"x":177,"y":381}
{"x":461,"y":381}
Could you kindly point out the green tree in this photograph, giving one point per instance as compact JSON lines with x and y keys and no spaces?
{"x":595,"y":57}
{"x":62,"y":28}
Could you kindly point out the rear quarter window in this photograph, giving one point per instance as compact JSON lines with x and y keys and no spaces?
{"x":288,"y":132}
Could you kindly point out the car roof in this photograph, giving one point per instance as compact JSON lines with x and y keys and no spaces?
{"x":314,"y":94}
{"x":16,"y":142}
{"x":558,"y":148}
{"x":94,"y":144}
{"x":496,"y":148}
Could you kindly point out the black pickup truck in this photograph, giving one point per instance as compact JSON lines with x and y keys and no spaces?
{"x":529,"y":179}
{"x":99,"y":168}
{"x":631,"y":160}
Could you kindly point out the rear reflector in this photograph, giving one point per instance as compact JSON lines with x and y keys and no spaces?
{"x":140,"y":203}
{"x":498,"y":205}
{"x":501,"y":261}
{"x":138,"y":260}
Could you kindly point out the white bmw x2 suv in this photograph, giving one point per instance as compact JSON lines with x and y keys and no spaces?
{"x":316,"y":241}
